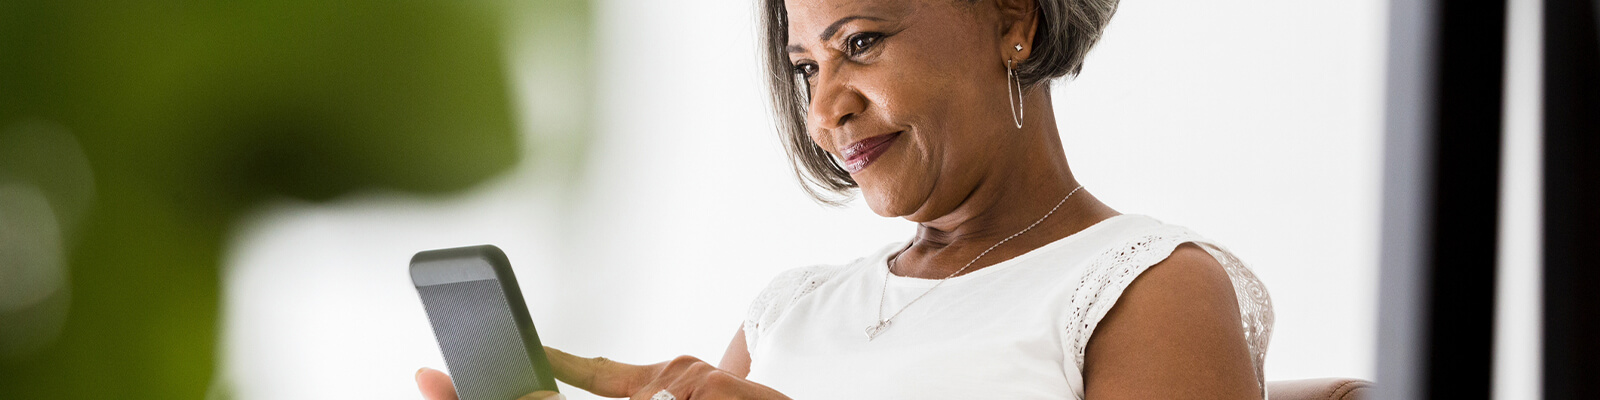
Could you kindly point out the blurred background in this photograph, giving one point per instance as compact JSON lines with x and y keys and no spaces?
{"x":220,"y":200}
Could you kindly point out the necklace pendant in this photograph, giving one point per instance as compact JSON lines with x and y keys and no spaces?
{"x":874,"y":330}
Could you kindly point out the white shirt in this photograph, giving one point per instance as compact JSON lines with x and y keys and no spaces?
{"x":1013,"y":330}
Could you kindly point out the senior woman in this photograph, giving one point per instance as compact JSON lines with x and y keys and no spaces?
{"x":1018,"y":284}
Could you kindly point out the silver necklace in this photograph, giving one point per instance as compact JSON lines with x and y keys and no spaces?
{"x":883,"y":323}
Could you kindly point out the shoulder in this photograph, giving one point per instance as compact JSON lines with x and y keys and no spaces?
{"x":797,"y":282}
{"x":1187,"y":288}
{"x":1178,"y":323}
{"x":1187,"y":273}
{"x":790,"y":286}
{"x":800,"y":281}
{"x":1164,"y":300}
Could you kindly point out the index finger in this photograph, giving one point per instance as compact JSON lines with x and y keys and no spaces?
{"x":599,"y":375}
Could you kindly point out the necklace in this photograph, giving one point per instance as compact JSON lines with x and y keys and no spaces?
{"x":883,"y":323}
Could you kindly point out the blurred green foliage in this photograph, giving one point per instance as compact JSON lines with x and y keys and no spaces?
{"x":143,"y":129}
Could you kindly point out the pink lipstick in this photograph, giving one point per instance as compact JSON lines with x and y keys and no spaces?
{"x":859,"y":154}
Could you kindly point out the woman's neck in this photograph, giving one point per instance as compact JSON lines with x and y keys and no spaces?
{"x":942,"y":247}
{"x":1014,"y":195}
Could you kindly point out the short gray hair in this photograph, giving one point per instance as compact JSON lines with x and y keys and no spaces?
{"x":1067,"y":30}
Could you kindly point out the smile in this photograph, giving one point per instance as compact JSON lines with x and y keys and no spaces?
{"x":862,"y":153}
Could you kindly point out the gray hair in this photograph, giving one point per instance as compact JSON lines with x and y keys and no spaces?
{"x":1067,"y":30}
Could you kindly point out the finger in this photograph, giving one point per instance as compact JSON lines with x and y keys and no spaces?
{"x":599,"y":375}
{"x":543,"y":395}
{"x":435,"y":385}
{"x":688,"y":375}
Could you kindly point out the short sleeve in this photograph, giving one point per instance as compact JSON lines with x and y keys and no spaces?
{"x":777,"y":298}
{"x":1110,"y":273}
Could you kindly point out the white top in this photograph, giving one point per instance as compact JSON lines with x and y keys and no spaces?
{"x":1013,"y":330}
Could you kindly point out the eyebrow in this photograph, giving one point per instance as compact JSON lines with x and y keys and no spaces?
{"x":832,"y":29}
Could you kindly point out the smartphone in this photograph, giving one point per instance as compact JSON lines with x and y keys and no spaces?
{"x":481,"y":322}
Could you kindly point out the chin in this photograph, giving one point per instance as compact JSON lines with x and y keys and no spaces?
{"x":891,"y":202}
{"x":880,"y":207}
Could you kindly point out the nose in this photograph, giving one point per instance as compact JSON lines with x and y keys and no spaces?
{"x":834,"y":101}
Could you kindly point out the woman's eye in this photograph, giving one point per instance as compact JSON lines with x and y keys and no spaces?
{"x":807,"y":69}
{"x":861,"y":42}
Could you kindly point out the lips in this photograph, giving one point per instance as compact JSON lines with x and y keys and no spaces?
{"x":862,"y":153}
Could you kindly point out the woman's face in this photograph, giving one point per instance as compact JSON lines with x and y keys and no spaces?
{"x":909,"y":94}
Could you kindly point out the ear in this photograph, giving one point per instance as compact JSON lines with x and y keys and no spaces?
{"x":1019,"y":21}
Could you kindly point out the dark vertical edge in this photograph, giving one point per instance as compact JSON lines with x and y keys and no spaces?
{"x":1408,"y":169}
{"x":1441,"y":208}
{"x":1571,"y":199}
{"x":1466,"y":189}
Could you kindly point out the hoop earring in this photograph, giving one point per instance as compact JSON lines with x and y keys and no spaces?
{"x":1010,"y":76}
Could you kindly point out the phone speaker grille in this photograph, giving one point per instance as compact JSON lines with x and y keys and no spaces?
{"x":481,"y":344}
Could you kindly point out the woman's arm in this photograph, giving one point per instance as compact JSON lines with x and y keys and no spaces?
{"x":736,"y":360}
{"x":685,"y":377}
{"x":1174,"y":333}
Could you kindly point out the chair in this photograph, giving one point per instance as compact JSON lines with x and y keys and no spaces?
{"x":1320,"y":389}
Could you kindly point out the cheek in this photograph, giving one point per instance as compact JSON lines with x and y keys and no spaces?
{"x":817,"y":137}
{"x":944,"y":106}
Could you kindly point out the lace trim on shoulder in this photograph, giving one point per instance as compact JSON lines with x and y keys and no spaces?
{"x":1112,"y":271}
{"x":1255,"y":306}
{"x":784,"y":289}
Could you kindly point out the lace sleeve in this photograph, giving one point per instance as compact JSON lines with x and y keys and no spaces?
{"x":1111,"y":272}
{"x":778,"y":296}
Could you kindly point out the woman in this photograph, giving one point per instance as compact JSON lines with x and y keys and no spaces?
{"x":1018,"y":284}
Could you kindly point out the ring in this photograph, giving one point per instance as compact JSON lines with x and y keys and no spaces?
{"x":663,"y":395}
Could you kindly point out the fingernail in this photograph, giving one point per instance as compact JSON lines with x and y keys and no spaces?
{"x":419,"y":373}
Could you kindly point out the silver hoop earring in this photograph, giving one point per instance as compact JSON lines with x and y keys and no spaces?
{"x":1010,"y":76}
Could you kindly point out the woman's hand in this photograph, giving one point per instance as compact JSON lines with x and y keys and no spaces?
{"x":436,"y":385}
{"x":685,"y":378}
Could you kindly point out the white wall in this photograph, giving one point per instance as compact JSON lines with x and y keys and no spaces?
{"x":1256,"y":123}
